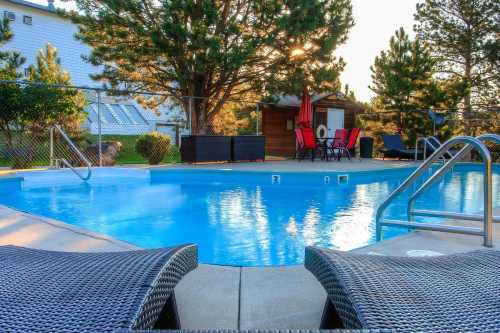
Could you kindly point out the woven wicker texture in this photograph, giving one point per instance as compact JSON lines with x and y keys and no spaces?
{"x":259,"y":331}
{"x":433,"y":294}
{"x":47,"y":291}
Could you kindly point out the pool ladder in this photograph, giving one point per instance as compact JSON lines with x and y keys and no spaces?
{"x":434,"y":143}
{"x":56,"y":162}
{"x":487,"y":217}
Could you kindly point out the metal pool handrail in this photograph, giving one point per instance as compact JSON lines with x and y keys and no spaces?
{"x":75,"y":149}
{"x":488,"y":207}
{"x":465,"y":150}
{"x":427,"y":141}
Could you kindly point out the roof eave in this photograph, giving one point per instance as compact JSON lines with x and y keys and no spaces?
{"x":32,"y":5}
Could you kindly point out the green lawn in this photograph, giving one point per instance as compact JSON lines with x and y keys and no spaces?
{"x":128,"y":154}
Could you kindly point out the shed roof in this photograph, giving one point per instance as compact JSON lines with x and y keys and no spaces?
{"x":294,"y":101}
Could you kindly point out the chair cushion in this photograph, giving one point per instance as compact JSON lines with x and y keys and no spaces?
{"x":393,"y":142}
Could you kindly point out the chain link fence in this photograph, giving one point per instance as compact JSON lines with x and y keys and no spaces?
{"x":442,"y":124}
{"x":117,"y":128}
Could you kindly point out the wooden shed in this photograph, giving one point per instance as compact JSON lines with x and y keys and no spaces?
{"x":279,"y":119}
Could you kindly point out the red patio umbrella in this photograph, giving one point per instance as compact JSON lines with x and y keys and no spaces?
{"x":305,"y":113}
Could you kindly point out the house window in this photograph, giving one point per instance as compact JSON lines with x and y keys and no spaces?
{"x":28,"y":20}
{"x":107,"y":115}
{"x":122,"y":116}
{"x":11,"y":16}
{"x":136,"y":116}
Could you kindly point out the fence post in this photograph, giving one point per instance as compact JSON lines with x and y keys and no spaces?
{"x":257,"y":123}
{"x":51,"y":131}
{"x":99,"y":133}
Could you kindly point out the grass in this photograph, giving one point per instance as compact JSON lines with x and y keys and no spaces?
{"x":128,"y":155}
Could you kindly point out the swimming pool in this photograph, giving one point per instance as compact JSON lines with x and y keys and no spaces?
{"x":236,"y":218}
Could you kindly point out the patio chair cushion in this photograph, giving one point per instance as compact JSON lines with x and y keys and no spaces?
{"x":393,"y":142}
{"x":47,"y":291}
{"x":340,"y":138}
{"x":454,"y":293}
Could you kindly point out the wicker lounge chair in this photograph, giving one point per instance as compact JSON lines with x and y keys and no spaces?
{"x":47,"y":291}
{"x":258,"y":331}
{"x":395,"y":148}
{"x":454,"y":293}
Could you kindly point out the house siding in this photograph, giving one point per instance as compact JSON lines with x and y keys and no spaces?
{"x":280,"y":141}
{"x":49,"y":28}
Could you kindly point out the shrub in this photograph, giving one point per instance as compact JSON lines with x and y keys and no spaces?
{"x":153,"y":146}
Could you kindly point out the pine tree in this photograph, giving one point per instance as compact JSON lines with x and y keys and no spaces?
{"x":403,"y":82}
{"x":399,"y":73}
{"x":463,"y":36}
{"x":215,"y":49}
{"x":49,"y":104}
{"x":11,"y":94}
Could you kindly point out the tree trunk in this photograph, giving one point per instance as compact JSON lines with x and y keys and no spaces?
{"x":467,"y":76}
{"x":196,"y":111}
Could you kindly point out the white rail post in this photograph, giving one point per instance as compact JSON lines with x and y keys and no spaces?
{"x":99,"y":130}
{"x":51,"y":133}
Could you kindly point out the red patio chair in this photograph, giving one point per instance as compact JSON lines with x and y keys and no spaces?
{"x":339,"y":141}
{"x":350,"y":145}
{"x":306,"y":142}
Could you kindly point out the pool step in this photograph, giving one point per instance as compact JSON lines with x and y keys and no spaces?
{"x":458,"y":216}
{"x":433,"y":227}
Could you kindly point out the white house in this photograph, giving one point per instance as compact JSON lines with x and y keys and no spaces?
{"x":36,"y":25}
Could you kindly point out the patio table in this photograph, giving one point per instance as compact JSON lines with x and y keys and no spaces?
{"x":323,"y":144}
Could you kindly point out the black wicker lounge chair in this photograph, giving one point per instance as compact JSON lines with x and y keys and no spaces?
{"x":455,"y":293}
{"x":395,"y":148}
{"x":47,"y":291}
{"x":259,"y":331}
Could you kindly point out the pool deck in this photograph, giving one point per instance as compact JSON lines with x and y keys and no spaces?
{"x":240,"y":297}
{"x":302,"y":166}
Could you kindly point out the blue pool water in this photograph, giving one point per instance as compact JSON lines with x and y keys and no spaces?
{"x":236,"y":218}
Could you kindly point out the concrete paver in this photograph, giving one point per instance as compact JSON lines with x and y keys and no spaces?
{"x":208,"y":297}
{"x":23,"y":229}
{"x":280,"y":297}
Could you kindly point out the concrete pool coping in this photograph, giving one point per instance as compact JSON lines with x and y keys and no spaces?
{"x":354,"y":165}
{"x":233,"y":297}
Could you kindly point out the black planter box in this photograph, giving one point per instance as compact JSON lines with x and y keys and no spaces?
{"x":248,"y":148}
{"x":205,"y":148}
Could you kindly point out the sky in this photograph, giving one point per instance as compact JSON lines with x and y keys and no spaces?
{"x":375,"y":23}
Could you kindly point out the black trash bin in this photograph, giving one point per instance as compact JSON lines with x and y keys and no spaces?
{"x":366,"y":147}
